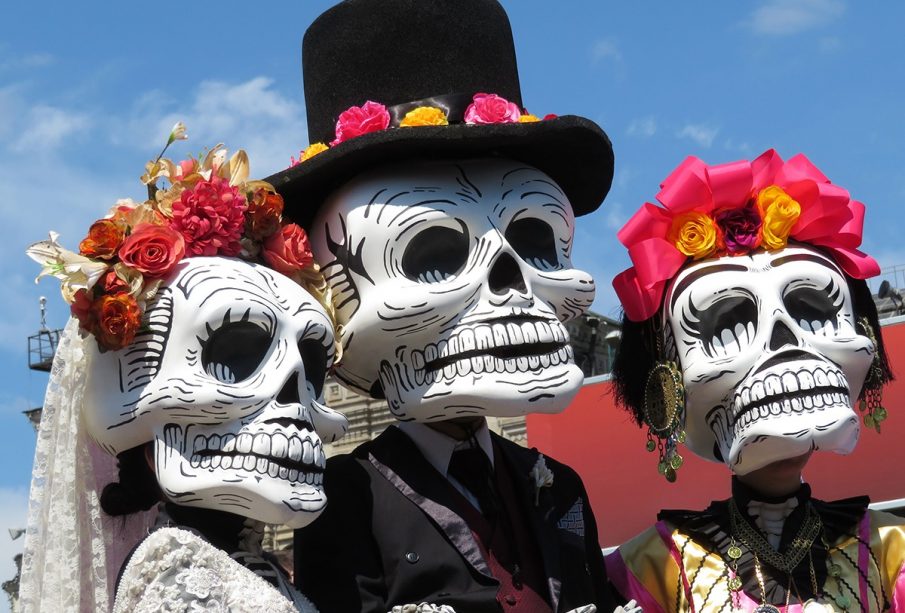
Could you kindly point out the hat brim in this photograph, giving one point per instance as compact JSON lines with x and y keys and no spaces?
{"x":574,"y":151}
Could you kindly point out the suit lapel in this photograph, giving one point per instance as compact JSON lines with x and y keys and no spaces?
{"x":400,"y":462}
{"x":543,"y":516}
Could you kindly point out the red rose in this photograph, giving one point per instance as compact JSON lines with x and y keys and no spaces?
{"x":104,"y":238}
{"x":288,"y":250}
{"x":81,"y":309}
{"x":358,"y":120}
{"x":110,"y":283}
{"x":211,"y":217}
{"x":263,"y":215}
{"x":118,"y":319}
{"x":153,"y":250}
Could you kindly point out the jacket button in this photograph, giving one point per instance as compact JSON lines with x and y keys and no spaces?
{"x":510,"y":600}
{"x":412,"y":557}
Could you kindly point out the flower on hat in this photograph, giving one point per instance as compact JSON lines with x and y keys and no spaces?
{"x":357,"y":120}
{"x":490,"y":108}
{"x":375,"y":117}
{"x":424,"y":116}
{"x":209,"y":208}
{"x":734,"y":209}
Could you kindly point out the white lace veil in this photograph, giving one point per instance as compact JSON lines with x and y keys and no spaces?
{"x":73,"y":550}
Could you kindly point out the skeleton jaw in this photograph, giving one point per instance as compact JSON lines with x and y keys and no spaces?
{"x":784,"y":410}
{"x":278,"y":464}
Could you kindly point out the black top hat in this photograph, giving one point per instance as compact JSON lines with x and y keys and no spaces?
{"x":408,"y":53}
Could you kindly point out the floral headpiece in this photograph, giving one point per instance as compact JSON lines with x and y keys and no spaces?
{"x":734,"y":209}
{"x":209,"y":209}
{"x":375,"y":117}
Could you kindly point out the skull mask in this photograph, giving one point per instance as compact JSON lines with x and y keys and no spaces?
{"x":452,"y":280}
{"x":771,"y":360}
{"x":226,"y":381}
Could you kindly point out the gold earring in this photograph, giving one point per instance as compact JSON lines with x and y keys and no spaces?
{"x":871,"y":398}
{"x":664,"y":403}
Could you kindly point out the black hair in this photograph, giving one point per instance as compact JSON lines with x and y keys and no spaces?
{"x":137,"y":488}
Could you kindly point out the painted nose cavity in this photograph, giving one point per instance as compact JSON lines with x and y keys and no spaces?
{"x":782,"y":336}
{"x":505,"y":276}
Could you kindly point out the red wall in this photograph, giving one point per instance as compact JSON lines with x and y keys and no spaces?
{"x":600,"y":441}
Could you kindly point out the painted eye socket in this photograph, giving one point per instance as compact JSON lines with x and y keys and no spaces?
{"x":436,"y":254}
{"x":235,"y":350}
{"x":725,"y":327}
{"x":314,"y":359}
{"x":534,"y":241}
{"x":815,"y":310}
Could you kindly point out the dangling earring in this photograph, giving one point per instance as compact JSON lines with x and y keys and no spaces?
{"x":664,"y":404}
{"x":870,"y":402}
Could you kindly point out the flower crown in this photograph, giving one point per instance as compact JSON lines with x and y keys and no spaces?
{"x":209,"y":209}
{"x":734,"y":209}
{"x":375,"y":117}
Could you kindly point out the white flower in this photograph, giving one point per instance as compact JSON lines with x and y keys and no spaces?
{"x":177,"y":133}
{"x":74,"y":270}
{"x":542,"y":476}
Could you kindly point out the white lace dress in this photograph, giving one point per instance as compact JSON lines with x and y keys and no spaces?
{"x":176,"y":571}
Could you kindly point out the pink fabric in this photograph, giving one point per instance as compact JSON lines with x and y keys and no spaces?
{"x":898,"y":593}
{"x":666,"y":535}
{"x":829,"y":218}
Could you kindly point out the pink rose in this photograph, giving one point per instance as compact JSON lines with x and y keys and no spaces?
{"x":288,"y":250}
{"x":358,"y":120}
{"x":490,"y":108}
{"x":211,"y":217}
{"x":152,"y":250}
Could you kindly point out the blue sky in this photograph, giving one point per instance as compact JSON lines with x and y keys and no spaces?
{"x":89,"y":89}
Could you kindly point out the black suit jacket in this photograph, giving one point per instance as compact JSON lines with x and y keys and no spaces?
{"x":389,"y":535}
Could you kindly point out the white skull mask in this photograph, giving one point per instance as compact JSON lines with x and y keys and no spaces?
{"x":771,"y":360}
{"x":451,"y":281}
{"x":227,"y":382}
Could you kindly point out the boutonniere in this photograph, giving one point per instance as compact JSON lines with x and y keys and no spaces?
{"x":542,"y":477}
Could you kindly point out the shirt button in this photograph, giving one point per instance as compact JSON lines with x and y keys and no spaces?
{"x":412,"y":557}
{"x":510,"y":600}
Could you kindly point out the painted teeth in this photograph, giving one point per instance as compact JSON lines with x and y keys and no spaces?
{"x":260,"y":452}
{"x":486,"y":337}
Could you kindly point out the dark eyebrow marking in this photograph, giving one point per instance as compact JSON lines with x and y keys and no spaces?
{"x":372,"y":200}
{"x":407,"y":208}
{"x":701,"y":272}
{"x":805,"y":257}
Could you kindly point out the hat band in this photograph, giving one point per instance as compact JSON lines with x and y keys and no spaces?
{"x":452,"y":105}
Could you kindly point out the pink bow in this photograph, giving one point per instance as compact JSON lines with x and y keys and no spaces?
{"x":829,"y":218}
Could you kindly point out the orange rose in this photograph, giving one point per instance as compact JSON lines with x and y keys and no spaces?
{"x":262,"y":217}
{"x":528,"y":118}
{"x":104,"y":238}
{"x":694,"y":234}
{"x":312,"y":150}
{"x":153,"y":250}
{"x":118,"y":318}
{"x":780,"y":213}
{"x":82,"y":309}
{"x":288,"y":250}
{"x":424,"y":116}
{"x":110,"y":283}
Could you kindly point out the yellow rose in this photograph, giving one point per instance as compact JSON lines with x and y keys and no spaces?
{"x":528,"y":118}
{"x":779,"y":213}
{"x":694,"y":234}
{"x":312,"y":150}
{"x":424,"y":116}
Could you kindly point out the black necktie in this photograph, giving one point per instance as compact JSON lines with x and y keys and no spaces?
{"x":471,"y":467}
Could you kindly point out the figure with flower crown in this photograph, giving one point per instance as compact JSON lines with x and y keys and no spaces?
{"x":185,"y":406}
{"x":750,"y":337}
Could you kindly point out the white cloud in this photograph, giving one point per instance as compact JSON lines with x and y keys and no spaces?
{"x":787,"y":17}
{"x":644,"y":127}
{"x":606,"y":49}
{"x":701,"y":134}
{"x":47,"y":127}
